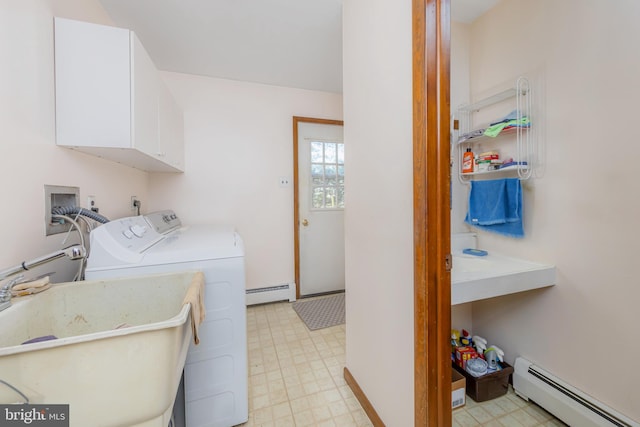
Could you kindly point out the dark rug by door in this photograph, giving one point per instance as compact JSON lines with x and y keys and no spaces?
{"x":321,"y":312}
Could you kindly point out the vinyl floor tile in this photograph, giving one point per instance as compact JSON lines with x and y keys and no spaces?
{"x":296,"y":380}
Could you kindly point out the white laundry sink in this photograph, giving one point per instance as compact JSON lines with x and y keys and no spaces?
{"x":110,"y":377}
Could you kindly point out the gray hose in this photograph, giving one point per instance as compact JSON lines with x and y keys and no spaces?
{"x":26,"y":399}
{"x":75,"y":210}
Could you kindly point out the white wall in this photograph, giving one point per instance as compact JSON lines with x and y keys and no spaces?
{"x":30,"y":158}
{"x":461,"y":314}
{"x":581,"y":214}
{"x":238,"y":142}
{"x":459,"y":96}
{"x":378,"y":215}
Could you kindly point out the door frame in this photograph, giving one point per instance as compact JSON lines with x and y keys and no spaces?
{"x":432,"y":221}
{"x":296,"y":188}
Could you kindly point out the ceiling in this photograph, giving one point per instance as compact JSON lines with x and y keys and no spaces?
{"x":293,"y":43}
{"x":468,"y":11}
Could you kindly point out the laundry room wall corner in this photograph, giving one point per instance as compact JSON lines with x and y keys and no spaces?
{"x":238,"y":143}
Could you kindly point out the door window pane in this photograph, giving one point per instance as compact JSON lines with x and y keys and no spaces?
{"x":317,"y":174}
{"x":317,"y":198}
{"x":330,"y":152}
{"x":330,"y":198}
{"x":330,"y":174}
{"x":316,"y":152}
{"x":327,"y":175}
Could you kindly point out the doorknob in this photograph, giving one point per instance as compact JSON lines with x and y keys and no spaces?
{"x":305,"y":222}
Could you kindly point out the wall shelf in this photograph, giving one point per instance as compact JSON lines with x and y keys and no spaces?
{"x":491,"y":172}
{"x":519,"y":139}
{"x":485,"y":102}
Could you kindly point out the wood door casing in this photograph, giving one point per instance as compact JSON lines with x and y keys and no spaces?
{"x":432,"y":277}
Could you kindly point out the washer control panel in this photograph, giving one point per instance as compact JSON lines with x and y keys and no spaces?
{"x":133,"y":233}
{"x":126,"y":239}
{"x":163,"y":221}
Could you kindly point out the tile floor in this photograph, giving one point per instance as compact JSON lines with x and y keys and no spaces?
{"x":505,"y":411}
{"x":296,"y":379}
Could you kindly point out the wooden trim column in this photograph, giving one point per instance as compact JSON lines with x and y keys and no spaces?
{"x":431,"y":151}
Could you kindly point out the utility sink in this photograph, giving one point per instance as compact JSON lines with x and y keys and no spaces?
{"x":119,"y":354}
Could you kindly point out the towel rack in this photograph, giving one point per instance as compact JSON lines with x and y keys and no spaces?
{"x":519,"y":139}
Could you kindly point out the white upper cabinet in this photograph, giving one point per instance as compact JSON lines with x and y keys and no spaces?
{"x":111,"y":101}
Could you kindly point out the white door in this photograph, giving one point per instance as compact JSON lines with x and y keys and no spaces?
{"x":321,"y":207}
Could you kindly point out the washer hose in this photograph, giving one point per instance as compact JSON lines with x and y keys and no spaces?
{"x":75,"y":210}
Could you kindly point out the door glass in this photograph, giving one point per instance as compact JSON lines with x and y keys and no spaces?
{"x":327,"y":175}
{"x":317,"y":198}
{"x":317,"y":175}
{"x":316,"y":152}
{"x":329,"y":152}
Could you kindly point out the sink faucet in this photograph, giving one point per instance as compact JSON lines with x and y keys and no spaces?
{"x":72,"y":252}
{"x":5,"y":291}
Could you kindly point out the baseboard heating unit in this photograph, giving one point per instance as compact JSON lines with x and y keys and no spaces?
{"x":564,"y":401}
{"x":284,"y":292}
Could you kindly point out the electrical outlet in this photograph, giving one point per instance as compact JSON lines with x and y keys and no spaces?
{"x":132,"y":204}
{"x":284,"y":182}
{"x":91,"y":204}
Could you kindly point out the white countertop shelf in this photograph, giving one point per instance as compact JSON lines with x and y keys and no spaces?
{"x":476,"y":278}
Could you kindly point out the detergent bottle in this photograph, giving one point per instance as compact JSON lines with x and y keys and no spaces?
{"x":467,"y":161}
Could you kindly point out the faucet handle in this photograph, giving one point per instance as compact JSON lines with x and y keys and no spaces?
{"x":7,"y":284}
{"x":10,"y":283}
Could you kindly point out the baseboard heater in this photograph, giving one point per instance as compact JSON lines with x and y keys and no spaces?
{"x":564,"y":401}
{"x":284,"y":292}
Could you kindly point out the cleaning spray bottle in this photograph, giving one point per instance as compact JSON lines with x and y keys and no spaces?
{"x":467,"y":161}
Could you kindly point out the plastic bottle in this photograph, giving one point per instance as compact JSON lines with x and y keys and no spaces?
{"x":467,"y":161}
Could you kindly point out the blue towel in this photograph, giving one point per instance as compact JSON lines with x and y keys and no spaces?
{"x":496,"y":206}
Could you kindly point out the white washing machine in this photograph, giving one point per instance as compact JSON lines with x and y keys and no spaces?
{"x":215,"y":373}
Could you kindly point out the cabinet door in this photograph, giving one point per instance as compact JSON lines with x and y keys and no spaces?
{"x":93,"y":98}
{"x":145,"y":103}
{"x":171,"y":125}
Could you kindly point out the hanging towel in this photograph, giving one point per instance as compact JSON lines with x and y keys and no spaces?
{"x":494,"y":130}
{"x":511,"y":116}
{"x":496,"y":206}
{"x":195,"y":297}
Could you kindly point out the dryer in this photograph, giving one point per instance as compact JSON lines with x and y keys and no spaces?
{"x":215,"y":373}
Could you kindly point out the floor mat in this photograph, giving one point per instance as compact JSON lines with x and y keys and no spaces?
{"x":322,"y":312}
